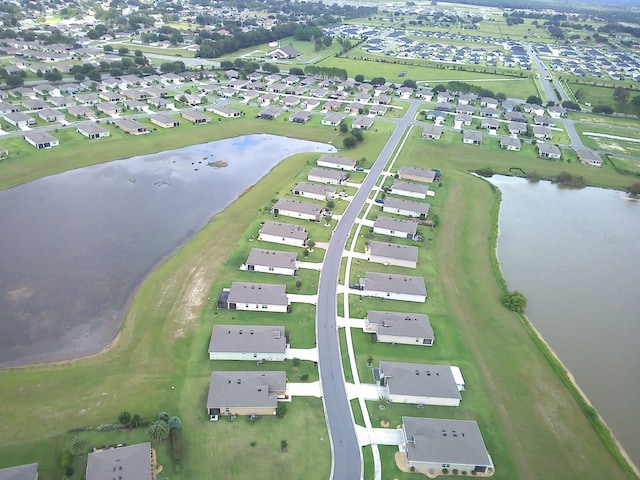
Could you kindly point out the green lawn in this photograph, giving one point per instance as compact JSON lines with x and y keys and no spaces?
{"x":610,"y":145}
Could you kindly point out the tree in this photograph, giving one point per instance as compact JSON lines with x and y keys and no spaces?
{"x":138,"y":53}
{"x":515,"y":301}
{"x":311,"y":243}
{"x":378,"y":81}
{"x":344,"y":128}
{"x":124,"y":418}
{"x":14,"y":81}
{"x":636,"y":101}
{"x":349,"y":142}
{"x":569,"y":105}
{"x":534,"y":99}
{"x":77,"y":445}
{"x":135,"y":421}
{"x":359,"y":78}
{"x":158,"y":431}
{"x":621,"y":94}
{"x":296,"y":71}
{"x":330,"y":205}
{"x":226,"y":65}
{"x":107,"y":48}
{"x":606,"y":109}
{"x":123,"y":51}
{"x":635,"y":189}
{"x":175,"y":423}
{"x":358,"y":135}
{"x":270,"y":68}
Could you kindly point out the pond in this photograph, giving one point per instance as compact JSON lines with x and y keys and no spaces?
{"x":75,"y":246}
{"x":575,"y":255}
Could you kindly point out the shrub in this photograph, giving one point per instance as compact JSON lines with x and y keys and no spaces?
{"x":515,"y":301}
{"x":485,"y":172}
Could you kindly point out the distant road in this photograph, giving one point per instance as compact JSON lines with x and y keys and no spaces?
{"x":347,"y":460}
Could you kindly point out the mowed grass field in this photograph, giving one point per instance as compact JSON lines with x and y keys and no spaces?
{"x":533,"y":425}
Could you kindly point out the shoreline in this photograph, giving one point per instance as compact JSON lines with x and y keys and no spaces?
{"x":556,"y":364}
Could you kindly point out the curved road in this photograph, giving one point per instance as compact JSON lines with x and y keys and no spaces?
{"x":347,"y":460}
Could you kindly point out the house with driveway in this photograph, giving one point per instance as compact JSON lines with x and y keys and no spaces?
{"x":407,"y":208}
{"x":163,"y":121}
{"x":421,"y":384}
{"x":132,"y":461}
{"x":589,"y":157}
{"x":131,"y":127}
{"x":362,"y":123}
{"x":283,"y":233}
{"x":471,"y":137}
{"x":432,"y":132}
{"x":245,"y":393}
{"x":400,"y":328}
{"x":392,"y":254}
{"x":417,"y":174}
{"x":409,"y":189}
{"x":20,"y":472}
{"x":431,"y":444}
{"x":40,"y":139}
{"x":548,"y":150}
{"x":326,"y":175}
{"x":271,"y":261}
{"x":19,"y":119}
{"x":334,"y":161}
{"x":395,"y":227}
{"x":92,"y":131}
{"x":394,"y":287}
{"x":248,"y":342}
{"x":333,"y":119}
{"x":510,"y":143}
{"x":298,"y":209}
{"x":314,"y":191}
{"x":266,"y":297}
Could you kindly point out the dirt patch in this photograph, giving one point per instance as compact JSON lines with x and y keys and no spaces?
{"x":384,"y":423}
{"x":20,"y":294}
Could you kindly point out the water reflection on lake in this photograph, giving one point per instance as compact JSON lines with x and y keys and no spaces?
{"x":74,"y":246}
{"x":576,"y":256}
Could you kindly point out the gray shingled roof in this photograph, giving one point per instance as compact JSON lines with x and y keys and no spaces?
{"x":248,"y":339}
{"x":347,"y":162}
{"x":314,"y":188}
{"x":245,"y":389}
{"x":392,"y":250}
{"x":418,"y":172}
{"x":413,"y":187}
{"x":126,"y":463}
{"x":92,"y":129}
{"x":20,"y":472}
{"x":419,"y":379}
{"x":272,"y":258}
{"x":285,"y":230}
{"x":548,"y":149}
{"x":409,"y":205}
{"x":396,"y":225}
{"x":401,"y":324}
{"x":445,"y":441}
{"x":260,"y":293}
{"x":389,"y":282}
{"x":298,"y":206}
{"x":327,"y":173}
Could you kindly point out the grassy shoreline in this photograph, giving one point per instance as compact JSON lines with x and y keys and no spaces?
{"x":170,"y":315}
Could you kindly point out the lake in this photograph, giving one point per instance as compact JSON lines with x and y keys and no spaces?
{"x":75,"y":246}
{"x":575,"y":254}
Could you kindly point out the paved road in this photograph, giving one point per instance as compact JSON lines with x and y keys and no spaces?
{"x":347,"y":460}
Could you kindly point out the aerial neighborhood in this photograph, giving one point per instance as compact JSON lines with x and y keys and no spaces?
{"x":344,"y":315}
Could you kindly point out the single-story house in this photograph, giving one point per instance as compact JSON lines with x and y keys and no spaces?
{"x":432,"y":132}
{"x":270,"y":113}
{"x":28,"y":471}
{"x":489,"y":102}
{"x":34,"y":105}
{"x":92,"y":131}
{"x":300,"y":117}
{"x":248,"y":342}
{"x":326,"y":175}
{"x":19,"y":119}
{"x":310,"y":103}
{"x":418,"y":383}
{"x":472,"y":138}
{"x":268,"y":297}
{"x":8,"y":108}
{"x":445,"y":107}
{"x":283,"y":233}
{"x":50,"y":115}
{"x":490,"y":113}
{"x":490,"y":124}
{"x":409,"y":189}
{"x":40,"y":139}
{"x":314,"y":191}
{"x":108,"y":108}
{"x":87,"y":98}
{"x":548,"y":150}
{"x":80,"y":111}
{"x":417,"y":174}
{"x":334,"y":161}
{"x":195,"y":117}
{"x":465,"y":109}
{"x":131,"y":127}
{"x":433,"y":444}
{"x":245,"y":393}
{"x":589,"y":157}
{"x":285,"y":51}
{"x":542,"y":133}
{"x":394,"y":287}
{"x":515,"y":117}
{"x":160,"y":103}
{"x":533,"y":108}
{"x":392,"y":254}
{"x":135,"y":94}
{"x":353,"y":107}
{"x":407,"y":208}
{"x":333,"y":119}
{"x":331,"y":106}
{"x":134,"y":105}
{"x":467,"y":98}
{"x":224,"y":111}
{"x":132,"y":461}
{"x":395,"y":228}
{"x":462,"y":120}
{"x":557,"y":111}
{"x":298,"y":209}
{"x":271,"y":261}
{"x":362,"y":123}
{"x":399,"y":327}
{"x":379,"y":110}
{"x":544,"y":121}
{"x":510,"y":143}
{"x":163,"y":121}
{"x":516,"y":128}
{"x":268,"y":98}
{"x":290,"y":101}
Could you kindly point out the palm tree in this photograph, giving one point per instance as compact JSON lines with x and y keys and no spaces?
{"x":158,"y":431}
{"x":77,"y":445}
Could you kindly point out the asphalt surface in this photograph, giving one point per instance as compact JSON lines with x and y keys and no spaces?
{"x":346,"y":455}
